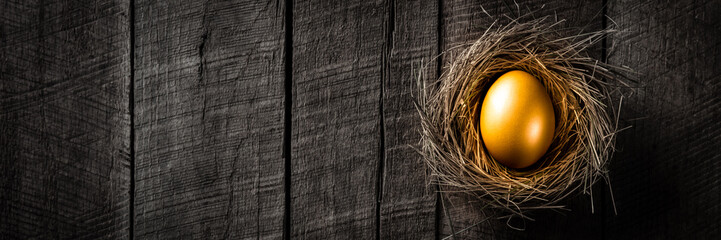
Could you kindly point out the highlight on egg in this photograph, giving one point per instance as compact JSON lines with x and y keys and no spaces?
{"x":517,"y":121}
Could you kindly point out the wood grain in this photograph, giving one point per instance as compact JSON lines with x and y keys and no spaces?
{"x":208,"y":97}
{"x":462,"y":23}
{"x":64,"y":120}
{"x":337,"y":52}
{"x":666,"y":177}
{"x":407,"y":204}
{"x":209,"y":107}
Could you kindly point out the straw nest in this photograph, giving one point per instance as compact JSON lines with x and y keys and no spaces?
{"x":585,"y":127}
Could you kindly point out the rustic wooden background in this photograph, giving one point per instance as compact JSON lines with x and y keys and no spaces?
{"x":283,"y":119}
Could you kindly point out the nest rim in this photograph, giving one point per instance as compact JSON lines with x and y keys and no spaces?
{"x":578,"y":85}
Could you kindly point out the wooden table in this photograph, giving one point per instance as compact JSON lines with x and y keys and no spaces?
{"x":282,"y":119}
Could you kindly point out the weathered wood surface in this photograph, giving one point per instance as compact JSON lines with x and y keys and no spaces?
{"x":667,"y":174}
{"x":208,"y":108}
{"x":209,"y":119}
{"x":64,"y":120}
{"x":407,"y":205}
{"x":337,"y":74}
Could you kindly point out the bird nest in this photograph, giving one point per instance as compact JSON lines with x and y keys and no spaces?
{"x":578,"y":86}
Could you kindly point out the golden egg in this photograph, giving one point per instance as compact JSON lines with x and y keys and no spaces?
{"x":517,"y":120}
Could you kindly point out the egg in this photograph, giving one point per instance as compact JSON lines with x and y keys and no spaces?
{"x":517,"y":120}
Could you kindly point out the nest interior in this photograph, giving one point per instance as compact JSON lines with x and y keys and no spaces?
{"x":579,"y":87}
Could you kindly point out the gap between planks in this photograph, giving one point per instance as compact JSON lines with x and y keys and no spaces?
{"x":131,"y":110}
{"x":288,"y":117}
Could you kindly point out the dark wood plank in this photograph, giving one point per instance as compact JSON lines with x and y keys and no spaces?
{"x":408,"y":206}
{"x":209,"y":109}
{"x":465,"y":21}
{"x":64,"y":120}
{"x":337,"y":51}
{"x":666,"y":177}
